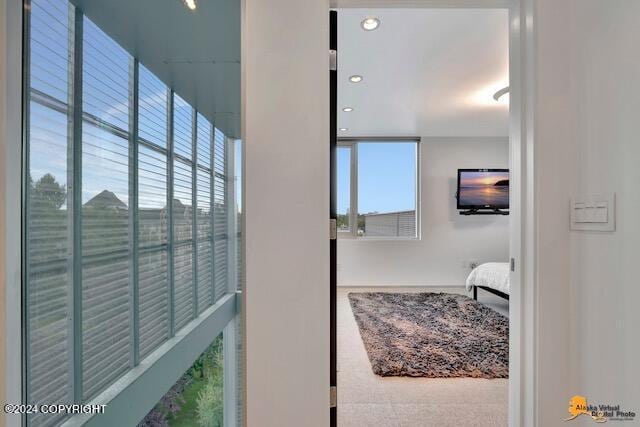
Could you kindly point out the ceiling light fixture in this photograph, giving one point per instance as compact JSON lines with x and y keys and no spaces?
{"x":355,"y":78}
{"x":343,"y":129}
{"x":500,"y":93}
{"x":191,"y":4}
{"x":347,"y":109}
{"x":370,"y":24}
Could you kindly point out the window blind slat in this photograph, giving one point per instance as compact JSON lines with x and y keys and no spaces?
{"x":220,"y":214}
{"x":49,"y":48}
{"x":105,"y":77}
{"x":152,"y":197}
{"x":183,"y":127}
{"x":154,"y":294}
{"x":106,"y":256}
{"x":183,"y":285}
{"x":153,"y":279}
{"x":204,"y":235}
{"x":152,"y":105}
{"x":48,"y":253}
{"x":204,"y":141}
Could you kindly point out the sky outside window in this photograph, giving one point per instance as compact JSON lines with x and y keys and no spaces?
{"x":386,"y":177}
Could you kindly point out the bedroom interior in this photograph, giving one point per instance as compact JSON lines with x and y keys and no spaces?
{"x":423,"y":226}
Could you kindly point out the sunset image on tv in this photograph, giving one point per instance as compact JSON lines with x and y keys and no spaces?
{"x":484,"y":189}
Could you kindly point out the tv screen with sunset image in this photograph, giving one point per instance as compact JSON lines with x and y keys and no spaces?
{"x":483,"y":188}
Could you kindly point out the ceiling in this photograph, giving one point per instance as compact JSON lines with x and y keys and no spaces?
{"x":196,"y":53}
{"x":426,"y":72}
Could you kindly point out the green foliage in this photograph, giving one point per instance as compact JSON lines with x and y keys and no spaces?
{"x":342,"y":222}
{"x":211,"y":399}
{"x":197,"y":398}
{"x":47,"y":192}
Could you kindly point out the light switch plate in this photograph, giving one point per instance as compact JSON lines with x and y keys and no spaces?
{"x":593,"y":212}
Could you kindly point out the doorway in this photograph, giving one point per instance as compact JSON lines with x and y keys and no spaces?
{"x":369,"y":272}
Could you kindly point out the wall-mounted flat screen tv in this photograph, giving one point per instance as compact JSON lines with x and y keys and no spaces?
{"x":483,"y":189}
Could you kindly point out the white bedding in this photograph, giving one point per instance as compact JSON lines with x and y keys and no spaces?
{"x":493,"y":275}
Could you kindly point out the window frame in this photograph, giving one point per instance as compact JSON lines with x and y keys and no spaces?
{"x":352,"y":143}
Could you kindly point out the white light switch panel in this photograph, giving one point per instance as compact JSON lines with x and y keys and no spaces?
{"x":594,"y":212}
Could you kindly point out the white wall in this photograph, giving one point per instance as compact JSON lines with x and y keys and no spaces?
{"x":586,"y":137}
{"x":604,"y":266}
{"x":449,"y":240}
{"x":286,"y":131}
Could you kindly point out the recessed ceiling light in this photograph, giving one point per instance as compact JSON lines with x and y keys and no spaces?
{"x":370,"y":24}
{"x":355,"y":79}
{"x":347,"y":109}
{"x":191,"y":4}
{"x":343,"y":129}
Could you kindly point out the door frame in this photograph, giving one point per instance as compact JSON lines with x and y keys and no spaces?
{"x":523,"y":313}
{"x":333,"y":217}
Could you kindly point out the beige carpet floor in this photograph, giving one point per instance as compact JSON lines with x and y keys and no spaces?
{"x":365,"y":399}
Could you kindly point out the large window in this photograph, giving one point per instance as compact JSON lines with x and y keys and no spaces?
{"x":377,"y":188}
{"x":128,"y":195}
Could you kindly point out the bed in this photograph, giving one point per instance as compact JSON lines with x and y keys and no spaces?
{"x":492,"y":277}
